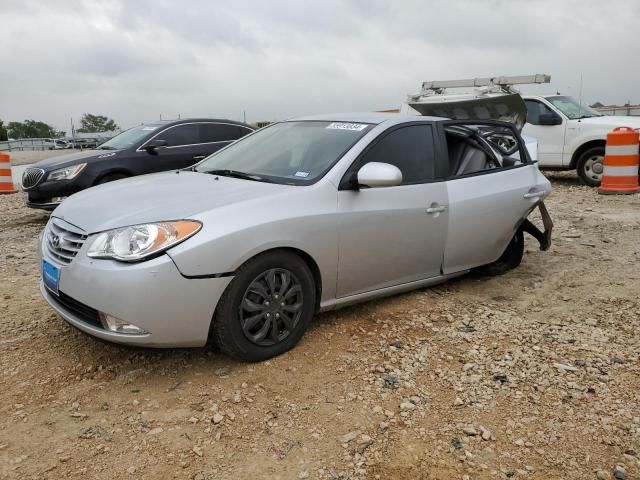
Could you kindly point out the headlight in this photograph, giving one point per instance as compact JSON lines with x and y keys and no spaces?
{"x":138,"y":242}
{"x":66,"y":173}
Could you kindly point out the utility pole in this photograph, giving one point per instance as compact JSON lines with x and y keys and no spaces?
{"x":580,"y":97}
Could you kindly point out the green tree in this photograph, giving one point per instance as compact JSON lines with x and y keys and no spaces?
{"x":90,"y":123}
{"x":3,"y":132}
{"x":30,"y":129}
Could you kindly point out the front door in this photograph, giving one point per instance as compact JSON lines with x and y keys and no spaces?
{"x":393,"y":235}
{"x":550,"y":137}
{"x":181,"y":151}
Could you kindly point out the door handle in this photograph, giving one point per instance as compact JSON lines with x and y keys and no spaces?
{"x":535,"y":194}
{"x":198,"y":157}
{"x":436,"y":209}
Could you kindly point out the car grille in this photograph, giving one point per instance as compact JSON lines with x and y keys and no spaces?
{"x":83,"y":312}
{"x":31,"y":177}
{"x":62,"y":243}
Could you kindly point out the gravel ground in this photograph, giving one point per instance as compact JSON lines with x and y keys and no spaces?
{"x":532,"y":375}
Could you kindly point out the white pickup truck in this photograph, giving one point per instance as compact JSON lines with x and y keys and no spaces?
{"x":570,"y":136}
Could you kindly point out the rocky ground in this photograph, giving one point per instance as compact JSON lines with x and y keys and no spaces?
{"x":532,"y":375}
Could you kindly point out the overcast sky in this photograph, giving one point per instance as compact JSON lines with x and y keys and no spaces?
{"x":136,"y":60}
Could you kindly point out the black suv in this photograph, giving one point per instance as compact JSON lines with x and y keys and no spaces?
{"x":158,"y":146}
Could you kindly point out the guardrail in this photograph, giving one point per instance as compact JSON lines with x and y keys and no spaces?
{"x":35,"y":144}
{"x":26,"y":144}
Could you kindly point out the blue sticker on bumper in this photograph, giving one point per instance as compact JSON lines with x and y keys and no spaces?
{"x":50,"y":276}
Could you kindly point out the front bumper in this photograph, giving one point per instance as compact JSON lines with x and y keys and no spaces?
{"x":174,"y":310}
{"x":41,"y":196}
{"x":49,"y":206}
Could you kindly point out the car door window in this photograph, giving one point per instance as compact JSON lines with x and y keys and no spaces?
{"x":408,"y":148}
{"x":186,"y":134}
{"x":221,"y":132}
{"x":475,"y":148}
{"x":534,"y":110}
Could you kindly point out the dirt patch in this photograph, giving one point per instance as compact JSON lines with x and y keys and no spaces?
{"x":531,"y":375}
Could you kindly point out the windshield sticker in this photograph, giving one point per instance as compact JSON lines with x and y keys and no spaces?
{"x":301,"y":174}
{"x":149,"y":129}
{"x":358,"y":127}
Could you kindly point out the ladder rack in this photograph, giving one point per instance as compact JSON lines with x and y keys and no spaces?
{"x":503,"y":82}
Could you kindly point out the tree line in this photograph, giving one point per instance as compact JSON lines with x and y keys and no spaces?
{"x":89,"y":123}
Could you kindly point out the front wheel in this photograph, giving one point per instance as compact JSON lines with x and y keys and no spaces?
{"x":266,"y":309}
{"x":590,"y":166}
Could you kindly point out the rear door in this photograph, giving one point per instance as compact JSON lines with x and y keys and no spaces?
{"x":393,"y":235}
{"x":486,"y":207}
{"x":217,"y":135}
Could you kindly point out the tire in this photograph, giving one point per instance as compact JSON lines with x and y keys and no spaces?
{"x":510,"y":259}
{"x":234,"y":328}
{"x":111,"y":177}
{"x":589,"y":166}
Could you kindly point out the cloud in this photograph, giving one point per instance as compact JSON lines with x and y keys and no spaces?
{"x":134,"y":61}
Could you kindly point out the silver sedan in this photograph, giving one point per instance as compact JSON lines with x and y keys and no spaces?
{"x":302,"y":216}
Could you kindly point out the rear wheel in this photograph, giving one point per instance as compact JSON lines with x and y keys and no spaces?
{"x":111,"y":177}
{"x":510,"y":259}
{"x":590,"y":166}
{"x":266,"y":309}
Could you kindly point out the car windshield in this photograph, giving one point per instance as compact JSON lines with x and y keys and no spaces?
{"x":572,"y":109}
{"x":129,"y":138}
{"x":295,"y":153}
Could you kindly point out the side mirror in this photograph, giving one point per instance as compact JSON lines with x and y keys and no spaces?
{"x":156,"y":144}
{"x":549,"y":119}
{"x":376,"y":174}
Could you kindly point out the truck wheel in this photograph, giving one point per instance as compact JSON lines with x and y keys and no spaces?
{"x":509,"y":260}
{"x":590,"y":166}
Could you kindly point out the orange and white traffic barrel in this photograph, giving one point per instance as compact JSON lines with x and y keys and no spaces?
{"x":6,"y":179}
{"x":620,"y":173}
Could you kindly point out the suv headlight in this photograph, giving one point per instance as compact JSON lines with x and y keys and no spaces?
{"x":66,"y":173}
{"x":139,"y":242}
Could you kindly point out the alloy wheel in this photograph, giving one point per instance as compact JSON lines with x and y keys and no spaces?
{"x":271,"y":307}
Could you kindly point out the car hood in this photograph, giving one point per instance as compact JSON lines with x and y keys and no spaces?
{"x":479,"y":106}
{"x":61,"y":161}
{"x":159,"y":197}
{"x":613,"y":121}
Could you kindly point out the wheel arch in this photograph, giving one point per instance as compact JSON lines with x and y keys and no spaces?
{"x":111,"y":171}
{"x":583,"y":148}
